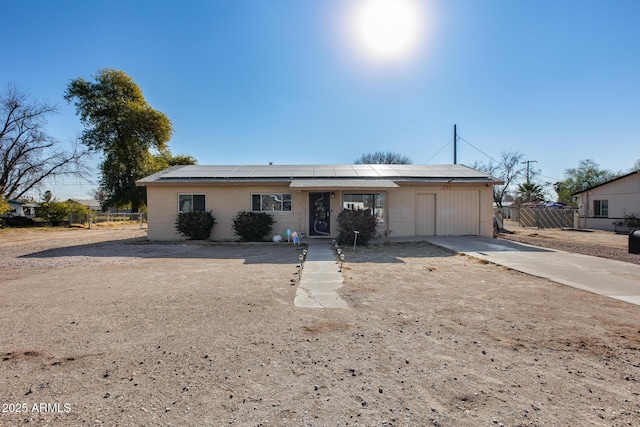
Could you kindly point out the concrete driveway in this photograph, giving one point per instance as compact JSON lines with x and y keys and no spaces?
{"x":615,"y":279}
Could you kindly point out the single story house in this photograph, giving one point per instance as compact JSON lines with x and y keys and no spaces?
{"x":409,"y":200}
{"x":91,"y":204}
{"x":18,"y":208}
{"x":604,"y":206}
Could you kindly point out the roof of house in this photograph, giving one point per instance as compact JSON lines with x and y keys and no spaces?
{"x":608,"y":182}
{"x":90,"y":203}
{"x":307,"y":176}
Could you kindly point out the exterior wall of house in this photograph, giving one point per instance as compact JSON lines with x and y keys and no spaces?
{"x":623,"y":197}
{"x":458,"y":210}
{"x":223,"y":201}
{"x":15,"y":208}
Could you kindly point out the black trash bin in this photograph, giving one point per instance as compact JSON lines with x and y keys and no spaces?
{"x":634,"y":242}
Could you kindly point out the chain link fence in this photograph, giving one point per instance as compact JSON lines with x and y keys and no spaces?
{"x":112,"y":221}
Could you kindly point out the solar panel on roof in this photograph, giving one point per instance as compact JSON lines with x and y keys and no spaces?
{"x":319,"y":171}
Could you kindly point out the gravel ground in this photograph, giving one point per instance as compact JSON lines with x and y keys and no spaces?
{"x":55,"y":248}
{"x":103,"y":328}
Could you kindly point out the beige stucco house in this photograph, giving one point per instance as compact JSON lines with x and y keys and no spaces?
{"x":604,"y":206}
{"x":409,"y":200}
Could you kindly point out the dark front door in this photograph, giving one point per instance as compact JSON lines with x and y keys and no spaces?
{"x":319,"y":214}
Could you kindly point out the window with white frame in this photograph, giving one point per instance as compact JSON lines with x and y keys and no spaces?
{"x":191,"y":203}
{"x":271,"y":202}
{"x":601,"y":208}
{"x":372,"y":202}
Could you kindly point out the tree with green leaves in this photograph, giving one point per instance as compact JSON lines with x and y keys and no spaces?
{"x":52,"y":210}
{"x":4,"y":204}
{"x":588,"y":174}
{"x":123,"y":127}
{"x":529,"y":192}
{"x":157,"y":162}
{"x":383,"y":158}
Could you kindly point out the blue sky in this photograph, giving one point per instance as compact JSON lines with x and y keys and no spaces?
{"x":249,"y":82}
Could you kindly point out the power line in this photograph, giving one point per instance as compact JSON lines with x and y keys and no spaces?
{"x":550,"y":177}
{"x":440,"y":150}
{"x":476,"y":148}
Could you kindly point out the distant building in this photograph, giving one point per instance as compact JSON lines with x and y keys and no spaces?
{"x":604,"y":206}
{"x":20,"y":208}
{"x":92,"y":204}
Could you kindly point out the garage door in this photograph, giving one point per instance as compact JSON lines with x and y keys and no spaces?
{"x":458,"y":213}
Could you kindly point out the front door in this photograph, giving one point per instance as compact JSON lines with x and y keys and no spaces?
{"x":319,"y":214}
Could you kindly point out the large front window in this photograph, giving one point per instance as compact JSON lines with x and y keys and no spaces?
{"x":271,"y":202}
{"x":371,"y":202}
{"x":191,"y":203}
{"x":601,"y":208}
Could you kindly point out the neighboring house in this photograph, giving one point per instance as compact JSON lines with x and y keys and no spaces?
{"x":604,"y":206}
{"x":19,"y":208}
{"x":409,"y":200}
{"x":92,"y":204}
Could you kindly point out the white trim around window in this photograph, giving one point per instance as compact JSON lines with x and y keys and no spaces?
{"x":191,"y":203}
{"x":271,"y":202}
{"x":601,"y":208}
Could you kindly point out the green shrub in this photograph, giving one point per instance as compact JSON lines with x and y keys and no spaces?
{"x":362,"y":221}
{"x":253,"y":226}
{"x":4,"y":204}
{"x":631,"y":220}
{"x":53,"y":211}
{"x":195,"y":225}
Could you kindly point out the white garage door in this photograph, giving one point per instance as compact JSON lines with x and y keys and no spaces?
{"x":458,"y":213}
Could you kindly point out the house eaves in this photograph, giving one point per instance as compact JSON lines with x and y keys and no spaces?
{"x":606,"y":183}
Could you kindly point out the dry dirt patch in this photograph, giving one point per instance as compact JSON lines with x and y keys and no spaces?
{"x":208,"y":335}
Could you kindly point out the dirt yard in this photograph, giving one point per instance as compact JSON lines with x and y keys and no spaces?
{"x":104,"y":328}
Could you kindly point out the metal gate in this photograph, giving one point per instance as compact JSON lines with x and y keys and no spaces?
{"x":548,"y":218}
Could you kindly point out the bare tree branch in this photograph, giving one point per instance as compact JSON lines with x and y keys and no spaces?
{"x":28,"y":156}
{"x":509,"y":169}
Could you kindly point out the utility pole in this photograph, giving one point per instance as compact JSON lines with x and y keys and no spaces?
{"x":528,"y":162}
{"x":455,"y":145}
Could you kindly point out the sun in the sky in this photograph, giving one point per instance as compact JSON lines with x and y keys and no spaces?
{"x":386,"y":30}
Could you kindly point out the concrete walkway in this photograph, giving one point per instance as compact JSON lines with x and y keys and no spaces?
{"x":318,"y":287}
{"x":615,"y":279}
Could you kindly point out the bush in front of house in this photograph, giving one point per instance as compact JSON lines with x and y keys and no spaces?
{"x":631,"y":221}
{"x":362,"y":221}
{"x":195,"y":225}
{"x":253,"y":226}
